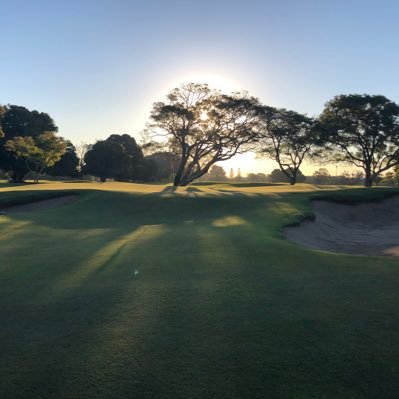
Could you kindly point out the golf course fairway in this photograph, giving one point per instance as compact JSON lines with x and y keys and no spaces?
{"x":136,"y":291}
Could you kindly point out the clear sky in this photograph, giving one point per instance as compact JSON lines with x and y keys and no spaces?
{"x":96,"y":66}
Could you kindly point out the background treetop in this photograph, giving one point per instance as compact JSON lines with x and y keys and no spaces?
{"x":20,"y":121}
{"x":38,"y":152}
{"x":363,"y":130}
{"x":287,"y":137}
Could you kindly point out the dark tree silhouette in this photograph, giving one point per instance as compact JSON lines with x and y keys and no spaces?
{"x":18,"y":121}
{"x":67,"y":165}
{"x":364,"y":131}
{"x":278,"y":176}
{"x":287,"y":137}
{"x":2,"y":112}
{"x":165,"y":164}
{"x":216,"y":173}
{"x":118,"y":157}
{"x":321,"y":176}
{"x":204,"y":127}
{"x":256,"y":178}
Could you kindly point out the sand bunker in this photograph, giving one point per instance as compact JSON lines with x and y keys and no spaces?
{"x":40,"y":205}
{"x":363,"y":229}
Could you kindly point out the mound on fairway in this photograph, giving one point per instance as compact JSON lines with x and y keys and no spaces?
{"x":367,"y":228}
{"x":130,"y":293}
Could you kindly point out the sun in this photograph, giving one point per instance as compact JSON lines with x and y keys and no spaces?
{"x":204,"y":116}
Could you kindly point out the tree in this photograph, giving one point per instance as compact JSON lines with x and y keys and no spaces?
{"x":287,"y":137}
{"x":357,"y":177}
{"x":67,"y":165}
{"x":388,"y":179}
{"x":238,"y":178}
{"x":344,"y":178}
{"x":166,"y":163}
{"x":391,"y":178}
{"x":105,"y":160}
{"x":81,"y":150}
{"x":278,"y":176}
{"x":18,"y":121}
{"x":257,"y":178}
{"x":231,"y":174}
{"x":216,"y":173}
{"x":203,"y":127}
{"x":321,"y":176}
{"x":146,"y":170}
{"x":364,"y":131}
{"x":38,"y":152}
{"x":396,"y":175}
{"x":117,"y":157}
{"x":2,"y":113}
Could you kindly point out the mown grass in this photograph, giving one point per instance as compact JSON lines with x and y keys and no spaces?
{"x":132,"y":292}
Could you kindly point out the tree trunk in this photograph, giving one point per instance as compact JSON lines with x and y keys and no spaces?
{"x":184,"y":181}
{"x":368,"y":181}
{"x":17,"y":178}
{"x":292,"y":179}
{"x":177,"y":181}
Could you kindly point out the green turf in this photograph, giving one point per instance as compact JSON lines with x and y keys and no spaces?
{"x":130,"y":295}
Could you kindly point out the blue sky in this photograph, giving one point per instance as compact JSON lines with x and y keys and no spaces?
{"x":97,"y":66}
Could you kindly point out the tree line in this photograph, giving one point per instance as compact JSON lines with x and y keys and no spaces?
{"x":30,"y":148}
{"x":197,"y":127}
{"x":320,"y":176}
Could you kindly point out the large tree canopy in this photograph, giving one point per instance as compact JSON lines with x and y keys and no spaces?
{"x":39,"y":152}
{"x":117,"y":157}
{"x":204,"y":127}
{"x":18,"y":121}
{"x":287,"y":137}
{"x":363,"y":130}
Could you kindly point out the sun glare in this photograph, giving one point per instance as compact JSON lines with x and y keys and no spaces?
{"x":219,"y":81}
{"x":204,"y":116}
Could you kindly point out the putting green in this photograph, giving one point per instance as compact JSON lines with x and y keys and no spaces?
{"x":132,"y":291}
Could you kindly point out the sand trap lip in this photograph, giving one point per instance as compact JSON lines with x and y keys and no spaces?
{"x":40,"y":204}
{"x":362,"y":229}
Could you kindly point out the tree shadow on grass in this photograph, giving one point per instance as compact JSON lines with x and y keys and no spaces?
{"x":214,"y":312}
{"x":220,"y":307}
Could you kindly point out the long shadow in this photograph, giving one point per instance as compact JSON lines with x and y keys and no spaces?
{"x":9,"y":184}
{"x":239,"y":321}
{"x":220,"y":307}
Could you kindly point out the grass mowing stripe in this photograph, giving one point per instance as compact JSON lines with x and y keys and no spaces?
{"x":221,"y":305}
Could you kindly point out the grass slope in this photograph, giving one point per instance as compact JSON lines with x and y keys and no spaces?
{"x":131,"y":292}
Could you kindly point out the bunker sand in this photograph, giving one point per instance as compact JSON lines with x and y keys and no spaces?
{"x":41,"y":205}
{"x":361,"y":229}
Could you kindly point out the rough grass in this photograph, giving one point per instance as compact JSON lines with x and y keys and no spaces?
{"x":130,"y":292}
